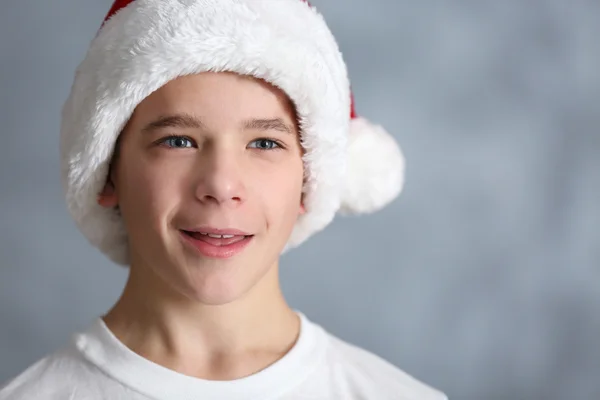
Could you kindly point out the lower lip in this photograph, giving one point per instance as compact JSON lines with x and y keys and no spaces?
{"x":212,"y":251}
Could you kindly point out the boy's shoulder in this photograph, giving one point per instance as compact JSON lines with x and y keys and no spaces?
{"x":63,"y":374}
{"x":372,"y":376}
{"x":35,"y":380}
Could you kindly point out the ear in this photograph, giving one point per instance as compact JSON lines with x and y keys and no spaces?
{"x":108,"y":196}
{"x":302,"y":208}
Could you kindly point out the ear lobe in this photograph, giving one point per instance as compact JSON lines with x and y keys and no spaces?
{"x":108,"y":196}
{"x":302,"y":210}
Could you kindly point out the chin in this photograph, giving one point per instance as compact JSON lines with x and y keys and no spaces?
{"x":213,"y":281}
{"x":215,"y":296}
{"x":216,"y":285}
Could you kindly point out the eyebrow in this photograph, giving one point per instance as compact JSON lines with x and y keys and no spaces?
{"x":174,"y":121}
{"x":191,"y":122}
{"x":268,"y":124}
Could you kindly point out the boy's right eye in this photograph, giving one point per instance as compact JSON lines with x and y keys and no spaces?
{"x":177,"y":142}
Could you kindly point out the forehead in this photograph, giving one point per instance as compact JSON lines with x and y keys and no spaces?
{"x":218,"y":94}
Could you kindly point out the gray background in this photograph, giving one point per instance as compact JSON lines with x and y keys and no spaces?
{"x":482,"y":279}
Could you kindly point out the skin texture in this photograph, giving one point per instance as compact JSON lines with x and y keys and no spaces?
{"x":230,"y":159}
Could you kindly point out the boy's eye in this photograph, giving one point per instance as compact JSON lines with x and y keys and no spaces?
{"x":177,"y":142}
{"x":264,"y":144}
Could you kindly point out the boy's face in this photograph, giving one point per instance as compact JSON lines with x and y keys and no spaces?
{"x":209,"y":153}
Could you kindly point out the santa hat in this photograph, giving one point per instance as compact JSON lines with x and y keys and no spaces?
{"x":352,"y":166}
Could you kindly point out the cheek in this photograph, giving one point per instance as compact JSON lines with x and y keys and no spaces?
{"x":280,"y":194}
{"x":147,"y":191}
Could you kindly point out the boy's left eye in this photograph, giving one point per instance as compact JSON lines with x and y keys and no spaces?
{"x":264,"y":144}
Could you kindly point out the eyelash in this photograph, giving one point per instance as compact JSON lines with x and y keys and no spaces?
{"x":277,"y":144}
{"x":164,"y":141}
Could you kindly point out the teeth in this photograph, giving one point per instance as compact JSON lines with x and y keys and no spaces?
{"x":218,"y":236}
{"x":212,"y":235}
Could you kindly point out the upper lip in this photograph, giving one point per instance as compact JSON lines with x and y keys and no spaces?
{"x":218,"y":231}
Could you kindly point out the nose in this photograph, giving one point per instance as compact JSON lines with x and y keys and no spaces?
{"x":221,"y":180}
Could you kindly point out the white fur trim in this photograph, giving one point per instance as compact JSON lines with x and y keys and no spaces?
{"x":151,"y":42}
{"x":375,"y":169}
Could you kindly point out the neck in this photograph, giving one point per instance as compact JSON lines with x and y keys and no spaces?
{"x":218,"y":342}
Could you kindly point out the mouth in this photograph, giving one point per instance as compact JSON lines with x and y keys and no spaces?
{"x":215,"y":243}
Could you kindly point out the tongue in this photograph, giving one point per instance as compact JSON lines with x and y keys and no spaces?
{"x":217,"y":241}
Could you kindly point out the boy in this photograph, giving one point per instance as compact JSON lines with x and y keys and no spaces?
{"x":202,"y":139}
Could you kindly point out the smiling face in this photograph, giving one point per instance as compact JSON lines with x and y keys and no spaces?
{"x":208,"y":180}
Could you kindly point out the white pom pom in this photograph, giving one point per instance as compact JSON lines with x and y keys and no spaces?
{"x":376,"y":166}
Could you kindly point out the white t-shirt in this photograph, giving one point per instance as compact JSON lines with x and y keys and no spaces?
{"x":96,"y":365}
